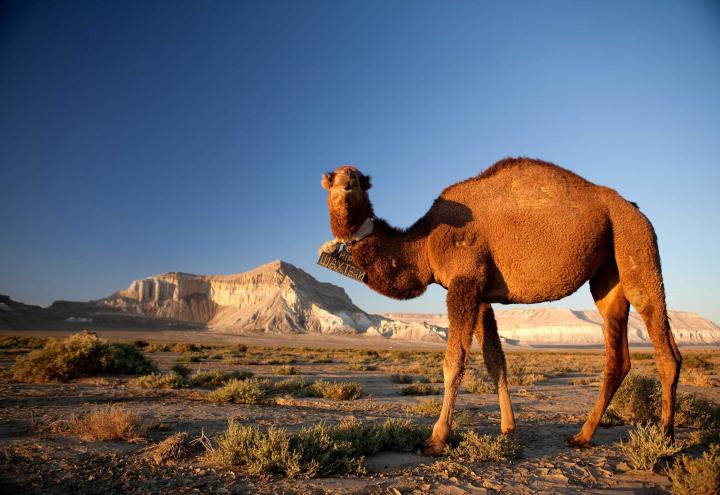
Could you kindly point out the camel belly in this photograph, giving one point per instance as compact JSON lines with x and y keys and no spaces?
{"x":543,"y":256}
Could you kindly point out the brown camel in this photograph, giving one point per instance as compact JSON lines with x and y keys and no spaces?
{"x":523,"y":231}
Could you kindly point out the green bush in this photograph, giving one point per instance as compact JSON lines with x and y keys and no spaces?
{"x":697,"y":476}
{"x":79,"y":355}
{"x":484,"y":448}
{"x":157,"y":380}
{"x":250,"y":391}
{"x":420,"y":389}
{"x":216,"y":378}
{"x":648,"y":446}
{"x":313,"y":451}
{"x":336,"y":390}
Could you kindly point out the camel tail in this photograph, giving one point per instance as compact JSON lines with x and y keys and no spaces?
{"x":638,"y":261}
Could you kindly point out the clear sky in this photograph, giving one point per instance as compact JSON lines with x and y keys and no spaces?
{"x":138,"y":137}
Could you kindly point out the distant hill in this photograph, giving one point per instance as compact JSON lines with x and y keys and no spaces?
{"x":557,"y":326}
{"x":280,"y":298}
{"x":273,"y":298}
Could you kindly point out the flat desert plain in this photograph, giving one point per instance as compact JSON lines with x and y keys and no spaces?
{"x":170,"y":430}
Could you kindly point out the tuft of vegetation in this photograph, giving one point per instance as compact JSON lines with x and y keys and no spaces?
{"x":159,"y":380}
{"x":637,"y":400}
{"x":699,"y":476}
{"x":185,"y":348}
{"x":420,"y":389}
{"x":284,"y":370}
{"x":648,"y":446}
{"x":250,"y":391}
{"x":404,"y":378}
{"x":427,"y":407}
{"x":191,"y":358}
{"x":313,"y":451}
{"x":695,"y":377}
{"x":172,"y":449}
{"x":110,"y":423}
{"x":216,"y":378}
{"x":473,"y":383}
{"x":336,"y":390}
{"x":473,"y":447}
{"x":79,"y":355}
{"x":140,"y":344}
{"x":12,"y":342}
{"x":157,"y":347}
{"x":295,"y":385}
{"x":181,"y":370}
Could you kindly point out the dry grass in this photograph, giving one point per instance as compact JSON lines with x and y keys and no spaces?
{"x":699,"y":476}
{"x":473,"y":383}
{"x":250,"y":391}
{"x":109,"y":423}
{"x":427,"y":407}
{"x":174,"y":448}
{"x":648,"y":446}
{"x":695,"y":377}
{"x":284,"y":370}
{"x":79,"y":355}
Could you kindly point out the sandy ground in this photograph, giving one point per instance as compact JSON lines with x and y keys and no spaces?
{"x":34,"y":459}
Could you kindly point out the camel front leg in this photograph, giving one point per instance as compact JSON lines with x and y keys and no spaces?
{"x":462,"y":303}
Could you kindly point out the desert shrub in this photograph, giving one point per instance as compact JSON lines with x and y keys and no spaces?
{"x":241,"y":348}
{"x":697,"y":476}
{"x":640,"y":356}
{"x":580,"y":381}
{"x":190,"y":358}
{"x":420,"y":389}
{"x":648,"y":446}
{"x":181,"y":370}
{"x":79,"y":355}
{"x":12,"y":342}
{"x":215,"y":378}
{"x":110,"y":423}
{"x":362,"y":367}
{"x":337,"y":390}
{"x":692,"y":376}
{"x":473,"y":383}
{"x":280,"y":360}
{"x":695,"y":411}
{"x":284,"y":370}
{"x":159,"y":380}
{"x":401,"y":378}
{"x":250,"y":391}
{"x":637,"y":400}
{"x":313,"y":451}
{"x":296,"y":385}
{"x":473,"y":447}
{"x":184,"y":348}
{"x":140,"y":344}
{"x":427,"y":407}
{"x":157,"y":347}
{"x":172,"y":449}
{"x":696,"y":361}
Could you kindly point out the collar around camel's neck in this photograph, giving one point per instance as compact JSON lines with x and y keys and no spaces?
{"x":365,"y":230}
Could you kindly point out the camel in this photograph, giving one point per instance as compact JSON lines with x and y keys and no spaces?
{"x":523,"y":231}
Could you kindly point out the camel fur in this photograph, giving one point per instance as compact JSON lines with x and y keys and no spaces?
{"x":523,"y":231}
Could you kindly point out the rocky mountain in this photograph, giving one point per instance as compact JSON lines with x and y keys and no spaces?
{"x":557,"y":326}
{"x":275,"y":298}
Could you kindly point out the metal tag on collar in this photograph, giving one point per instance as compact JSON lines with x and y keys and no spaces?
{"x":342,"y":263}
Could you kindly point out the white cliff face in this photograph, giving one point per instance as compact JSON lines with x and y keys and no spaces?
{"x":556,"y":326}
{"x":277,"y":297}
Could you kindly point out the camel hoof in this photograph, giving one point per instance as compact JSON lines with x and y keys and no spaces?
{"x":433,"y":448}
{"x":508,"y":432}
{"x":578,"y":441}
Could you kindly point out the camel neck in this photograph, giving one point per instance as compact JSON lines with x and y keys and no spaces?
{"x":395,"y":261}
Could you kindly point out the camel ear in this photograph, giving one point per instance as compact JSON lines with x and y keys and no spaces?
{"x":365,"y":182}
{"x":327,"y":180}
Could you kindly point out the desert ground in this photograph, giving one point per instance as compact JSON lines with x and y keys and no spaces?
{"x":48,"y":444}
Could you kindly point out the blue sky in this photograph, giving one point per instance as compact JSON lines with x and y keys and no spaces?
{"x":141,"y":137}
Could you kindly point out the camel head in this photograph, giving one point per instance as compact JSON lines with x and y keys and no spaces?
{"x":348,"y":200}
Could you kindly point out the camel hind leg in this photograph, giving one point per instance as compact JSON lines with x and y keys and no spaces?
{"x":610,"y":300}
{"x":638,"y":262}
{"x":487,"y":336}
